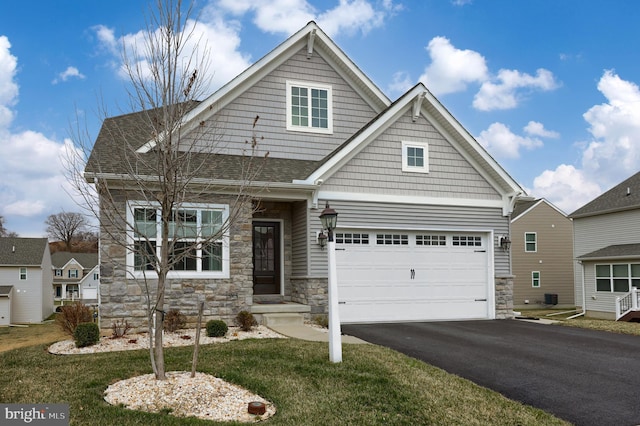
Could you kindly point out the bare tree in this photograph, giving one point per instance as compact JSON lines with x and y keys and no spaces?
{"x":4,"y":232}
{"x":66,"y":227}
{"x":163,"y":162}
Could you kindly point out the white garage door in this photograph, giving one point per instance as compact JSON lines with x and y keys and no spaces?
{"x":412,"y":276}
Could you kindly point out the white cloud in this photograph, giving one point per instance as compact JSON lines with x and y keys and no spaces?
{"x":535,"y":128}
{"x":8,"y":86}
{"x":501,"y":142}
{"x":32,"y":175}
{"x":566,"y":187}
{"x":452,"y":69}
{"x":506,"y":90}
{"x":400,"y":82}
{"x":70,"y":72}
{"x":288,"y":16}
{"x":610,"y":157}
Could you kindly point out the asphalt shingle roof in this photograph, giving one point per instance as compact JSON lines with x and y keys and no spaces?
{"x":87,"y":260}
{"x":28,"y":251}
{"x":5,"y":290}
{"x":618,"y":251}
{"x":120,"y":136}
{"x":623,"y":196}
{"x":521,"y":207}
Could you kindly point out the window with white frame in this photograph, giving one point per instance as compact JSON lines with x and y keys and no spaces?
{"x":467,"y":240}
{"x":617,"y":277}
{"x":58,"y":272}
{"x":535,"y":279}
{"x":431,"y":240}
{"x":351,"y":238}
{"x":530,"y":242}
{"x":73,"y":273}
{"x":199,"y":249}
{"x":309,"y":107}
{"x":96,"y":276}
{"x":415,"y":157}
{"x":23,"y":273}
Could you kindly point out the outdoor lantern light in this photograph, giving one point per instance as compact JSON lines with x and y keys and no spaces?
{"x":322,"y":240}
{"x":329,"y":219}
{"x":505,"y":242}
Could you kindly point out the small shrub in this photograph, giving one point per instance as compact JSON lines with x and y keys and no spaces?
{"x":216,"y":328}
{"x":119,"y":329}
{"x":72,"y":315}
{"x":86,"y":334}
{"x":322,"y":321}
{"x":245,"y":320}
{"x":174,"y":320}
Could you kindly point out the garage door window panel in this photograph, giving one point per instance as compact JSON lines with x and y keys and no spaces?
{"x":431,"y":240}
{"x":351,"y":238}
{"x":467,"y":241}
{"x":392,"y":239}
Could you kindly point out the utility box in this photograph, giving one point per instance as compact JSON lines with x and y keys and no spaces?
{"x":550,"y":299}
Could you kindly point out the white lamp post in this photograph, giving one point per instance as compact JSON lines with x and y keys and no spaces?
{"x":329,"y":219}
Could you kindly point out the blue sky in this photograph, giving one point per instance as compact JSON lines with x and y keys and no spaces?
{"x":549,"y":87}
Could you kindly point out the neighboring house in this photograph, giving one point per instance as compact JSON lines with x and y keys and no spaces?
{"x":607,"y":252}
{"x":25,"y":278}
{"x":422,"y":206}
{"x":76,"y":276}
{"x":541,"y":255}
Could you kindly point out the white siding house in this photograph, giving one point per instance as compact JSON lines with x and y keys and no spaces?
{"x":25,"y":265}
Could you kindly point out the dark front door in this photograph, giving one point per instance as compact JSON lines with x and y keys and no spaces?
{"x":266,"y":258}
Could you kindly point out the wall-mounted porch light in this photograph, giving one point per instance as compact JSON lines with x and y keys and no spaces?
{"x":505,"y":242}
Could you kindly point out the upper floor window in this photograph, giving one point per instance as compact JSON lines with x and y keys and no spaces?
{"x":23,"y":273}
{"x":96,"y":276}
{"x":58,"y":272}
{"x":415,"y":157}
{"x":73,"y":273}
{"x":530,"y":242}
{"x":196,"y":241}
{"x":309,"y":107}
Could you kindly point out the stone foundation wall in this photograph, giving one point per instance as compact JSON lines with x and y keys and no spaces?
{"x":504,"y":297}
{"x":125,"y":298}
{"x":311,"y":292}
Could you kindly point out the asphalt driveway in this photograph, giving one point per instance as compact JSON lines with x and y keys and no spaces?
{"x":584,"y":376}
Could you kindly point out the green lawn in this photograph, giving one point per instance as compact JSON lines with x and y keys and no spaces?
{"x":372,"y":386}
{"x":622,"y":327}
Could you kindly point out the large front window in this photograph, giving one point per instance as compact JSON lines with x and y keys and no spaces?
{"x":309,"y":107}
{"x":197,"y":244}
{"x":617,"y":277}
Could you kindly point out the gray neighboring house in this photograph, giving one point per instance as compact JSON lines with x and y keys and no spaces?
{"x":76,"y":276}
{"x":541,"y":255}
{"x":422,"y":206}
{"x":25,"y":278}
{"x":607,"y":252}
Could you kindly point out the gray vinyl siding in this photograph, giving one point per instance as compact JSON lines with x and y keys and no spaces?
{"x":299,"y":244}
{"x":377,"y":169}
{"x":407,"y":216}
{"x":553,"y":258}
{"x":596,"y":232}
{"x":27,"y":306}
{"x":267,"y":99}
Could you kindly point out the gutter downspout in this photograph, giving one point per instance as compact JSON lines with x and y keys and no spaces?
{"x":584,"y":295}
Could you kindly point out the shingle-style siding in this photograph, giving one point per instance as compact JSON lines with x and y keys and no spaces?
{"x":407,"y":216}
{"x":377,"y":169}
{"x":267,"y":99}
{"x":553,"y":258}
{"x":299,"y":244}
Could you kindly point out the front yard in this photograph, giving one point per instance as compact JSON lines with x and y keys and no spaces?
{"x":372,"y":386}
{"x":561,"y":316}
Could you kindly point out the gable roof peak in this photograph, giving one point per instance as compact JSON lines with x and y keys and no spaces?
{"x":624,"y":196}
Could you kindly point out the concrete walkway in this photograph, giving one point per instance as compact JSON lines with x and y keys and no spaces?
{"x":306,"y":332}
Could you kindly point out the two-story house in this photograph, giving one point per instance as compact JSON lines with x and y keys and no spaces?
{"x":422,"y":206}
{"x":607,"y":252}
{"x":76,"y":276}
{"x":25,"y":277}
{"x":541,"y":256}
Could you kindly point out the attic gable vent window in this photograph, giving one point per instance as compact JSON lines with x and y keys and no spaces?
{"x":309,"y":107}
{"x":415,"y":157}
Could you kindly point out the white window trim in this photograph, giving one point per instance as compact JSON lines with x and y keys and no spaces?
{"x":131,"y":205}
{"x":528,"y":242}
{"x":414,"y":169}
{"x":25,"y":274}
{"x":309,"y":85}
{"x":533,"y":279}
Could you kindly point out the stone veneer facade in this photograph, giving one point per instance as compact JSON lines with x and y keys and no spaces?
{"x":504,"y":297}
